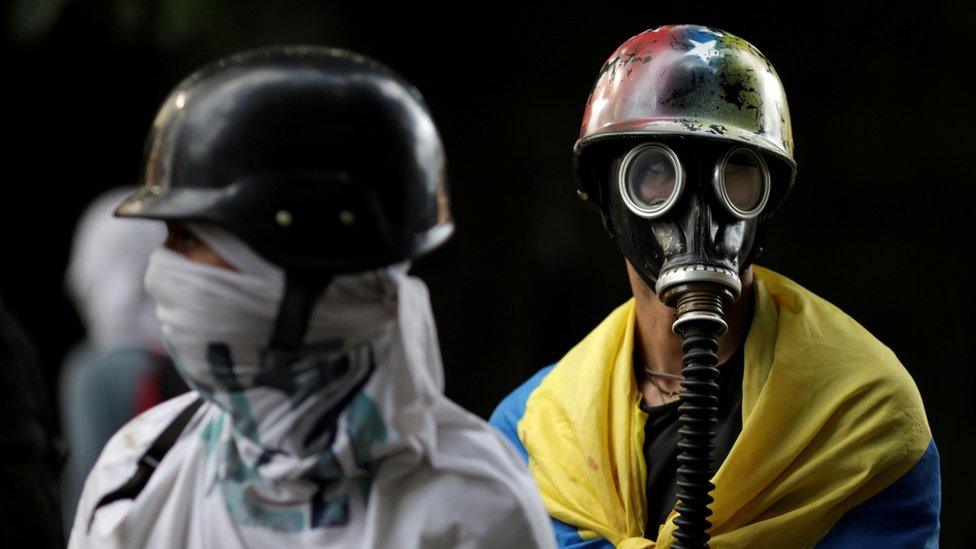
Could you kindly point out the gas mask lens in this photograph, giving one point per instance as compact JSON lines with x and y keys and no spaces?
{"x":650,"y":180}
{"x":743,"y":183}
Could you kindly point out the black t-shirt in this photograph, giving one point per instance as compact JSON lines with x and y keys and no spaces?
{"x":661,"y":441}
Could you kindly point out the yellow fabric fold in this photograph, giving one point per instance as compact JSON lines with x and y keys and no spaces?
{"x":829,"y":418}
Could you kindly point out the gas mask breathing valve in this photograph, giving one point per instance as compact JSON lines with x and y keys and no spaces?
{"x":700,"y":295}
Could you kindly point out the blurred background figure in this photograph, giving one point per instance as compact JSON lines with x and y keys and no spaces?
{"x":121,"y":367}
{"x":29,"y":454}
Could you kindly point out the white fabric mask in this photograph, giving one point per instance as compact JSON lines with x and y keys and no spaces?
{"x":200,"y":304}
{"x":217,"y":323}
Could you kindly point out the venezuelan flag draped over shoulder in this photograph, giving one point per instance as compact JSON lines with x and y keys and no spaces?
{"x":830,"y":418}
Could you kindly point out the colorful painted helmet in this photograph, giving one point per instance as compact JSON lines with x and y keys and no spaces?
{"x":684,"y":81}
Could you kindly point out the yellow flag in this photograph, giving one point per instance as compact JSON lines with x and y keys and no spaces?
{"x":829,"y":419}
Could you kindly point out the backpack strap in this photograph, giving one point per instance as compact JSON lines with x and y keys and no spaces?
{"x":150,"y":460}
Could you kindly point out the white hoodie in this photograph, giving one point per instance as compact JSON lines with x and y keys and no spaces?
{"x":395,"y":464}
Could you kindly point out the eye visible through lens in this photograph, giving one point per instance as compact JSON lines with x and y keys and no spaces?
{"x":744,"y":178}
{"x":651,"y":178}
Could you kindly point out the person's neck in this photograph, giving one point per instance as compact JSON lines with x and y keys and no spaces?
{"x":657,"y":349}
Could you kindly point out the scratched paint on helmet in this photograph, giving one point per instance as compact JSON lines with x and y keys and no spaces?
{"x":690,"y":79}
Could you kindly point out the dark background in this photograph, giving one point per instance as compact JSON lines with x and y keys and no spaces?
{"x":879,"y":223}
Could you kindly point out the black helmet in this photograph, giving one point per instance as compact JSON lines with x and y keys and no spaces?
{"x":322,"y":160}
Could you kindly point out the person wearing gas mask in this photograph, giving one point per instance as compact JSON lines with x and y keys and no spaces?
{"x":724,"y":403}
{"x":296,"y":184}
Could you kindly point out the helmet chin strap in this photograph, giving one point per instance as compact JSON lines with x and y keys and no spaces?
{"x":302,"y":292}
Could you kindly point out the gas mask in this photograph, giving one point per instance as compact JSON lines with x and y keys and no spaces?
{"x":688,"y":210}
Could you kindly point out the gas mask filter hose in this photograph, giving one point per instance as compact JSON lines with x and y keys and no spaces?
{"x":699,"y":321}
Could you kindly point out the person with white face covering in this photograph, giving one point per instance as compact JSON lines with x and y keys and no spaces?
{"x":297,"y":183}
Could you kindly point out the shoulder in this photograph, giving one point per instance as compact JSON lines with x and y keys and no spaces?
{"x":510,"y":410}
{"x":852,"y":389}
{"x":470,"y":448}
{"x":813,"y":337}
{"x":480,"y":473}
{"x":131,"y":441}
{"x":905,"y":514}
{"x":503,"y":512}
{"x":118,"y":459}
